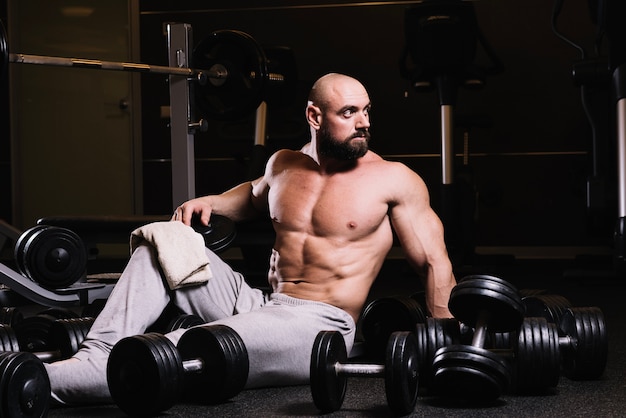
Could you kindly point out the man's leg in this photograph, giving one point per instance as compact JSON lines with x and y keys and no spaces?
{"x":137,"y":300}
{"x":279,"y":337}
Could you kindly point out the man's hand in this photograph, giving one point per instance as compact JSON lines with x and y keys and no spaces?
{"x":199,"y":207}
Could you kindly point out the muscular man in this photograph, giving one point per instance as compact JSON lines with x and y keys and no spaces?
{"x":333,"y":205}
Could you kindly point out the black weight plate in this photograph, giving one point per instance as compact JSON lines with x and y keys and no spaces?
{"x":33,"y":333}
{"x":24,"y":386}
{"x":328,"y":388}
{"x":51,"y":256}
{"x":550,"y":307}
{"x":537,"y":356}
{"x":10,"y":316}
{"x":386,"y":315}
{"x":241,"y":92}
{"x":440,"y":332}
{"x":145,"y":374}
{"x":226,"y":364}
{"x":20,"y":244}
{"x":8,"y":339}
{"x":66,"y":335}
{"x":402,"y":373}
{"x":218,"y":234}
{"x":470,"y":373}
{"x":584,"y":358}
{"x":470,"y":298}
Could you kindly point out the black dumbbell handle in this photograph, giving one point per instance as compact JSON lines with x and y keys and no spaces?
{"x":365,"y":370}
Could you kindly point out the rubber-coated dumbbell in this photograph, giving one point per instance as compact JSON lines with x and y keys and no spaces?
{"x":578,"y":347}
{"x":53,"y":257}
{"x":550,"y":306}
{"x":330,"y":370}
{"x":386,"y":315}
{"x":147,"y":374}
{"x":432,"y":335}
{"x":537,"y":304}
{"x":10,"y":315}
{"x":24,"y":386}
{"x":65,"y":337}
{"x":487,"y":304}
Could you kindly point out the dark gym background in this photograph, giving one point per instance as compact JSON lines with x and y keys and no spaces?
{"x":530,"y":165}
{"x":531,"y":160}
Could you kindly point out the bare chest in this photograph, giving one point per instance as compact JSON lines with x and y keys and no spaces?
{"x":346,"y":204}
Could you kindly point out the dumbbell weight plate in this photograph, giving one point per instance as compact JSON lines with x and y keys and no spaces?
{"x":218,"y":234}
{"x":24,"y":386}
{"x":33,"y":333}
{"x":537,"y":356}
{"x":66,"y":335}
{"x":328,"y":389}
{"x":551,"y":307}
{"x":10,"y":316}
{"x":431,"y":336}
{"x":401,"y":373}
{"x":471,"y":373}
{"x":477,"y":294}
{"x":8,"y":339}
{"x":383,"y":316}
{"x":225,"y":359}
{"x":145,"y":374}
{"x":53,"y":257}
{"x":585,"y":358}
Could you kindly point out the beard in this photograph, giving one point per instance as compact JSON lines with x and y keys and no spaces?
{"x":344,"y":150}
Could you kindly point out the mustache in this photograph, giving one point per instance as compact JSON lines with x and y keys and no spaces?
{"x":361,"y":133}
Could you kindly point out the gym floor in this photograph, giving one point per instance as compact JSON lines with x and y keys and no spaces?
{"x":582,"y":285}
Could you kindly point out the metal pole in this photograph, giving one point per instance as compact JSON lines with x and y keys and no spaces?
{"x":179,"y":40}
{"x":621,"y":155}
{"x":447,"y":144}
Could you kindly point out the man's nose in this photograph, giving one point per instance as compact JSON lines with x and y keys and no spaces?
{"x":363,"y":121}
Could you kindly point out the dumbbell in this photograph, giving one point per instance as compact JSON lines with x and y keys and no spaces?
{"x":578,"y":347}
{"x":386,"y":315}
{"x":537,"y":304}
{"x":550,"y":306}
{"x":24,"y":386}
{"x":147,"y":374}
{"x":432,"y":335}
{"x":64,"y":339}
{"x":10,"y":315}
{"x":51,"y":256}
{"x":330,"y":370}
{"x":487,"y":304}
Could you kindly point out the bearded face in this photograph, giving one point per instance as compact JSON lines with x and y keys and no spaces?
{"x":351,"y":148}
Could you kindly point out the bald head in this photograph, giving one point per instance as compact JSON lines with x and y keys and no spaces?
{"x":332,"y":87}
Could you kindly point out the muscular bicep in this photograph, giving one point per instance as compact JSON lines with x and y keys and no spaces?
{"x":416,"y":225}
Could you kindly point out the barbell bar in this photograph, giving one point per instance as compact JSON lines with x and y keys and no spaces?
{"x":234,"y":65}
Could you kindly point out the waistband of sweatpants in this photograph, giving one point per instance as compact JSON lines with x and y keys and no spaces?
{"x":290,"y":300}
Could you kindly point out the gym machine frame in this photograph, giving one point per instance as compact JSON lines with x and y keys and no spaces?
{"x":179,"y":41}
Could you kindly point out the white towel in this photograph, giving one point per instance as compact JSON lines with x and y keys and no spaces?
{"x":180,"y":251}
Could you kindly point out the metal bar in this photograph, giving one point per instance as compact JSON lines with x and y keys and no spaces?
{"x":621,"y":155}
{"x":348,"y":369}
{"x":101,"y":65}
{"x":447,"y":144}
{"x":179,"y":40}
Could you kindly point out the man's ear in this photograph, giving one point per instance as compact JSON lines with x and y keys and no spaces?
{"x":313,"y":116}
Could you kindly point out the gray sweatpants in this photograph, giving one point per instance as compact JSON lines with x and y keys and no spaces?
{"x":278,"y":331}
